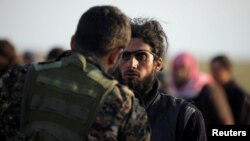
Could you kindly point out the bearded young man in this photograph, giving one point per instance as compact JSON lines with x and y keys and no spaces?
{"x":171,"y":119}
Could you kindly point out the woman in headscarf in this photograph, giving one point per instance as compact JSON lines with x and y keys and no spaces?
{"x":186,"y":81}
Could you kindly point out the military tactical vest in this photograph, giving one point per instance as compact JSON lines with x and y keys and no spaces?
{"x":62,"y":98}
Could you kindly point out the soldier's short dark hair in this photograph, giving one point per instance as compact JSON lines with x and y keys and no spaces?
{"x":223,"y":61}
{"x":152,"y":33}
{"x":101,"y":29}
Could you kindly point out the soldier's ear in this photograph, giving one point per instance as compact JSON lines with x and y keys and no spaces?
{"x":73,"y":42}
{"x":114,"y":55}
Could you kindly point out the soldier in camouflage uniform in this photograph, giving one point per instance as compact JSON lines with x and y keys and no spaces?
{"x":33,"y":96}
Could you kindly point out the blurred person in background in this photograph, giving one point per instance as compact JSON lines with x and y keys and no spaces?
{"x":171,"y":119}
{"x":54,"y":53}
{"x":161,"y":76}
{"x":8,"y":56}
{"x":28,"y":57}
{"x":186,"y":81}
{"x":239,"y":100}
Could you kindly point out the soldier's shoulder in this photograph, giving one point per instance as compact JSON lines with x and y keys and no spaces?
{"x":119,"y":93}
{"x":129,"y":97}
{"x":121,"y":100}
{"x":125,"y":90}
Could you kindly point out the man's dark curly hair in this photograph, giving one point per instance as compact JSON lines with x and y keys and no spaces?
{"x":151,"y":32}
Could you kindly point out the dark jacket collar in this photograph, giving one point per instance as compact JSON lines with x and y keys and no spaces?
{"x":149,"y":98}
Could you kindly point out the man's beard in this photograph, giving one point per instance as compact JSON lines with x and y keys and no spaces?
{"x":141,"y":87}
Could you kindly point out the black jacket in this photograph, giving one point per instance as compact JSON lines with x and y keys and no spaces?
{"x":239,"y":102}
{"x":173,"y":119}
{"x":213,"y":105}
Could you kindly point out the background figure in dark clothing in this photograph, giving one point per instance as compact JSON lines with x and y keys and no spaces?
{"x":239,"y":100}
{"x":8,"y":56}
{"x":186,"y":81}
{"x":28,"y":57}
{"x":171,"y":119}
{"x":54,"y":53}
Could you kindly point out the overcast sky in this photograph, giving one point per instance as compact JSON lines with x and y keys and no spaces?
{"x":203,"y":27}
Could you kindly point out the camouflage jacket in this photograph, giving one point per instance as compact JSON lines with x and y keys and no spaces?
{"x":120,"y":118}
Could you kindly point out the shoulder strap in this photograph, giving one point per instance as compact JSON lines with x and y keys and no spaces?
{"x":188,"y":113}
{"x":185,"y":113}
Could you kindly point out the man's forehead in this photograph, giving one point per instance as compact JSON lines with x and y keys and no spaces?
{"x":137,"y":44}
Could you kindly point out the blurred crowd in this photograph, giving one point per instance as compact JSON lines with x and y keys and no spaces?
{"x":11,"y":57}
{"x":217,"y":95}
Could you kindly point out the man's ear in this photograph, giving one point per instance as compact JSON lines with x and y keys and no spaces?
{"x":114,"y":55}
{"x":158,"y":64}
{"x":73,"y":43}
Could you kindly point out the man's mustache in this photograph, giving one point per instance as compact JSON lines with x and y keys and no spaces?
{"x":132,"y":72}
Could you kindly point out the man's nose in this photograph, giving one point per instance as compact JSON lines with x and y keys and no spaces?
{"x":132,"y":62}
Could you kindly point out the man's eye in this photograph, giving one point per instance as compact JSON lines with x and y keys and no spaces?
{"x":141,"y":56}
{"x":125,"y":56}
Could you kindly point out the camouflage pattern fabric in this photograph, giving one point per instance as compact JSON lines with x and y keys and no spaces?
{"x":118,"y":104}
